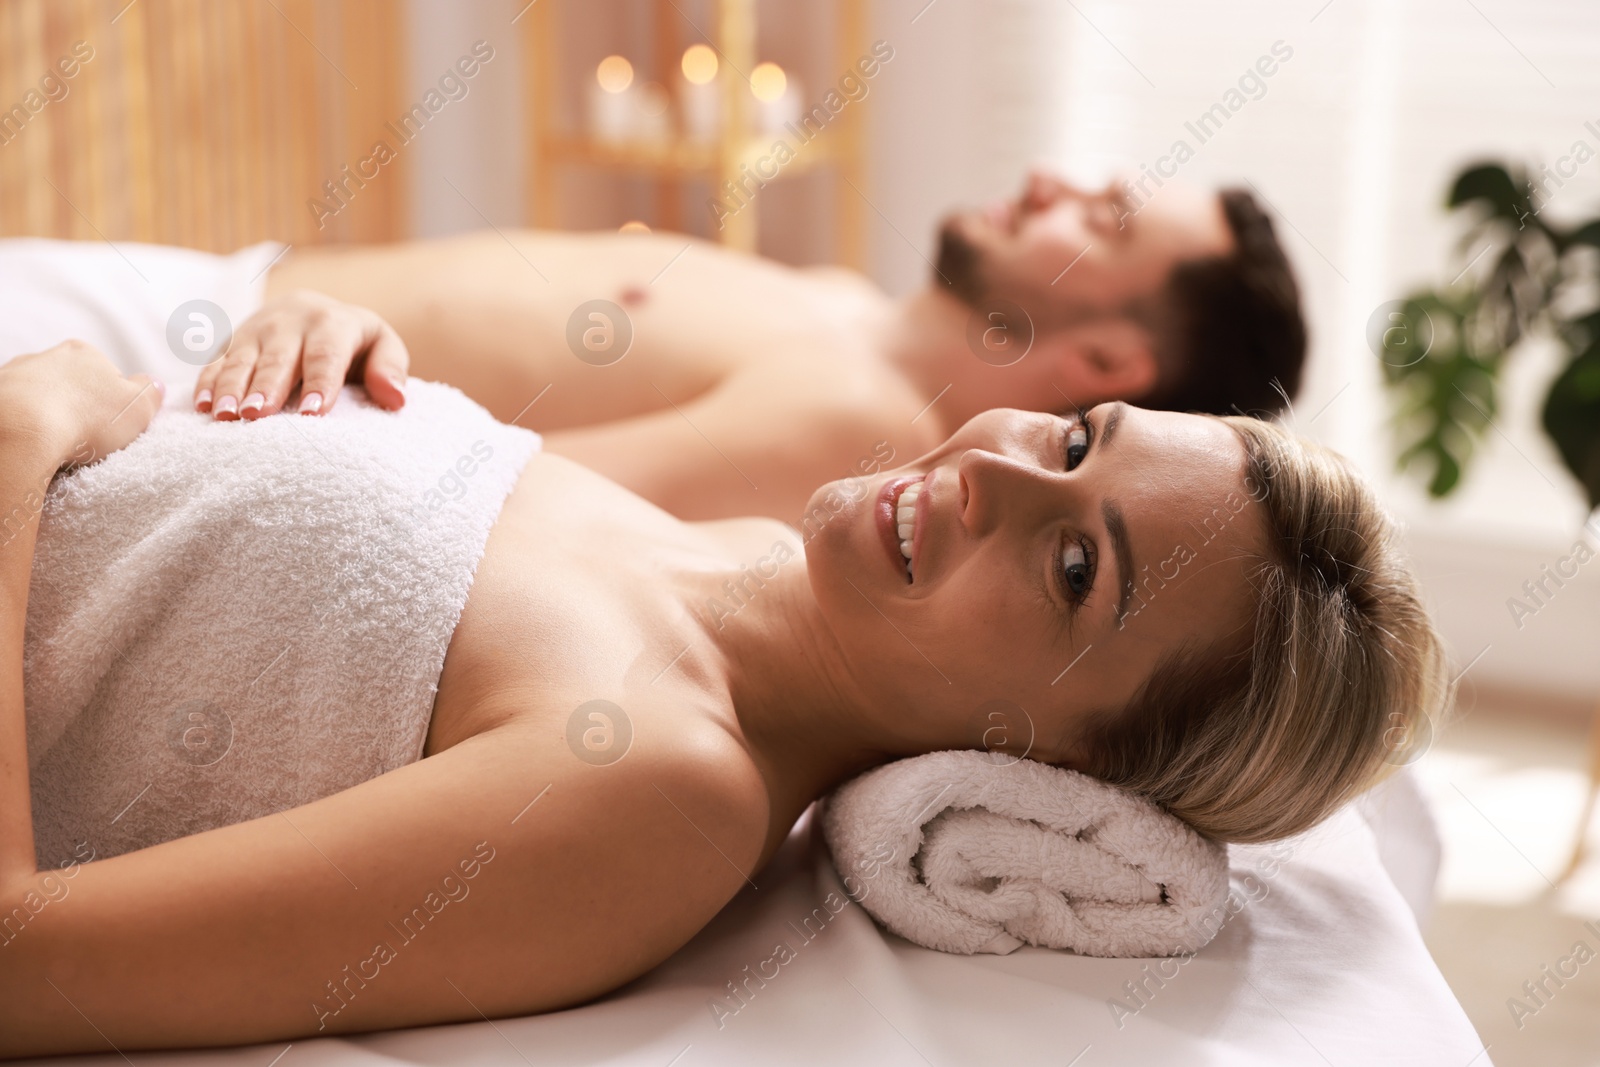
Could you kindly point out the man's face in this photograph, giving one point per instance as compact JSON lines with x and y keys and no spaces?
{"x":1068,"y":254}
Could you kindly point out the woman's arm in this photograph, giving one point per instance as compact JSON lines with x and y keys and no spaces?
{"x":28,"y":460}
{"x":502,"y":876}
{"x":65,"y":405}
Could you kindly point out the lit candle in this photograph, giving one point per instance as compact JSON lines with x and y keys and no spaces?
{"x":777,"y":97}
{"x":612,"y":114}
{"x":786,"y":109}
{"x":654,"y":124}
{"x":701,"y":100}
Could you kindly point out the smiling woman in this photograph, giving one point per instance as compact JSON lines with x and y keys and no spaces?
{"x":1251,"y":696}
{"x":1205,"y":610}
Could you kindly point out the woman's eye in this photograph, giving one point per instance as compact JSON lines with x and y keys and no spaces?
{"x":1077,"y":445}
{"x":1075,"y":575}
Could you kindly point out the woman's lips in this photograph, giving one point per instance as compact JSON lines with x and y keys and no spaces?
{"x":888,"y":498}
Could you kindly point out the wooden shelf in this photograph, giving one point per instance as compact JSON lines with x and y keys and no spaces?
{"x":839,"y":149}
{"x":683,"y":158}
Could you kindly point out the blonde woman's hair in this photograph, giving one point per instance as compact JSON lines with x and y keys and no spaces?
{"x":1343,"y":678}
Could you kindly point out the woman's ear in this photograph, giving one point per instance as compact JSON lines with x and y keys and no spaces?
{"x":1108,"y":359}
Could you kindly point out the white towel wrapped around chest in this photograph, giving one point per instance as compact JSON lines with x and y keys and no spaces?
{"x":227,"y":620}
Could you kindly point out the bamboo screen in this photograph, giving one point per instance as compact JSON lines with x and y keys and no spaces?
{"x":205,"y":123}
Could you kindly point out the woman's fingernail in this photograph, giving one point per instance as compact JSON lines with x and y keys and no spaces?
{"x":253,"y":402}
{"x":399,"y":386}
{"x":202,"y":400}
{"x":226,"y":406}
{"x":310,"y":403}
{"x":161,"y":387}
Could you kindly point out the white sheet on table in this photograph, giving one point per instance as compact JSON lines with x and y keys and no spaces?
{"x":1407,"y":837}
{"x":1327,"y":966}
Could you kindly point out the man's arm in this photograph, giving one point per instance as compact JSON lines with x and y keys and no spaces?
{"x":759,"y":443}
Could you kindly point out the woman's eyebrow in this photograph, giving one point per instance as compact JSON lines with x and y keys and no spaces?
{"x":1118,"y":531}
{"x":1108,"y":428}
{"x":1116,"y":528}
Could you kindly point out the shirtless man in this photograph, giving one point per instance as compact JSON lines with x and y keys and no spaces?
{"x":719,"y":384}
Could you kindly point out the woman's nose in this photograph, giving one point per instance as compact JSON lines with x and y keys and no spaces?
{"x":996,"y":488}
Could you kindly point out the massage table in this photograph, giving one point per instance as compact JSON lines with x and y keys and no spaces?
{"x":1323,"y":964}
{"x":1327,"y":966}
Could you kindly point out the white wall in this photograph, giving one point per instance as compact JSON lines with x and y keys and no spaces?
{"x":474,"y":144}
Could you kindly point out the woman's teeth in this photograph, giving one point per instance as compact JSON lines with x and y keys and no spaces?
{"x":905,"y":515}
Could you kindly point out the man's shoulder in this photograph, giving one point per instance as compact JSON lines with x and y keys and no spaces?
{"x":843,"y":278}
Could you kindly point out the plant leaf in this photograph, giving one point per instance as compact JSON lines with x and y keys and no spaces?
{"x":1446,"y":394}
{"x":1446,"y":475}
{"x":1587,"y":234}
{"x":1492,"y":183}
{"x":1572,"y":419}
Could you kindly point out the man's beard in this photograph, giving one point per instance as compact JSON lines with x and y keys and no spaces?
{"x":960,"y":265}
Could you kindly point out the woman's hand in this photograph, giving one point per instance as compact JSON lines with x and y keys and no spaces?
{"x":308,"y":339}
{"x":75,"y":402}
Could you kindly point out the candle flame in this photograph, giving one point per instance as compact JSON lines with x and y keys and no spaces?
{"x":614,"y":74}
{"x":699,"y":64}
{"x":768,"y":82}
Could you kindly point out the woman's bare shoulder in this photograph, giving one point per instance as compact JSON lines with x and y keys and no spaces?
{"x":504,"y":876}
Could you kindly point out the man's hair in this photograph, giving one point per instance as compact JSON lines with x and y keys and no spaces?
{"x":1229,"y":337}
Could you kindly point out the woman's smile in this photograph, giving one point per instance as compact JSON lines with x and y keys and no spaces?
{"x":897,"y":528}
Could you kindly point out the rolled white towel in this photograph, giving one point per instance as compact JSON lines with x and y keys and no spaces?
{"x":982,"y":852}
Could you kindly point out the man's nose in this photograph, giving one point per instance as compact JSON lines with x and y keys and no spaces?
{"x":1115,"y":186}
{"x":1045,"y":188}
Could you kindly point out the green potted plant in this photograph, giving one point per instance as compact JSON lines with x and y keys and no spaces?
{"x":1443,"y":349}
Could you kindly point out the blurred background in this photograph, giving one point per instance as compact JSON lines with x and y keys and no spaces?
{"x":217,"y":124}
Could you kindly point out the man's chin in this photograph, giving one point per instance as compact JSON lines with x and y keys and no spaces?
{"x":959,"y":263}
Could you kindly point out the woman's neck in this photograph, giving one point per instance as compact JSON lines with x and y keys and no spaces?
{"x":798,"y":710}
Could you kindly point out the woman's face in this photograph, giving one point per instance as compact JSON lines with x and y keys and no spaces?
{"x":1055,"y":562}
